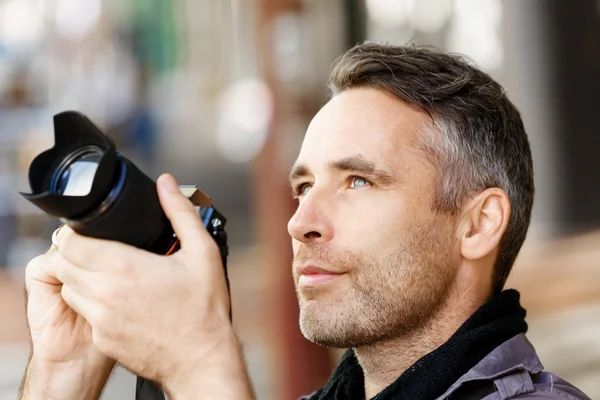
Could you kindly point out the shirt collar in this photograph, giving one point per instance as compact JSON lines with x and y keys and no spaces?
{"x":515,"y":354}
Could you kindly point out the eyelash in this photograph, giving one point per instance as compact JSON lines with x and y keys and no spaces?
{"x":297,"y":192}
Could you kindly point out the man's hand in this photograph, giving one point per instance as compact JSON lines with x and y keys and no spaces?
{"x":64,"y":362}
{"x":165,"y":318}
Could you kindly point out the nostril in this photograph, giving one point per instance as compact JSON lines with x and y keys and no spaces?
{"x":312,"y":235}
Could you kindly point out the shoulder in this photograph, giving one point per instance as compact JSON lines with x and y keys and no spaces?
{"x":516,"y":372}
{"x":548,"y":386}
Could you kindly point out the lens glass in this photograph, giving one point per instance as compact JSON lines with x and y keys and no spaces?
{"x":76,"y":177}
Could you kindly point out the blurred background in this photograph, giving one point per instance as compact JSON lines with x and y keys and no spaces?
{"x":219,"y":93}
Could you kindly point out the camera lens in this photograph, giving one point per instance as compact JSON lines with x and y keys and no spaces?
{"x":96,"y":190}
{"x":75,"y":176}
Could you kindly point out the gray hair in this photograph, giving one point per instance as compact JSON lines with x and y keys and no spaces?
{"x":478,"y":140}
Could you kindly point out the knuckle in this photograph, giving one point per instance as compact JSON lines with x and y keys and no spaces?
{"x":40,"y":260}
{"x":101,"y":318}
{"x":35,"y":267}
{"x":121,"y":265}
{"x":65,"y":238}
{"x":183,"y":202}
{"x":189,"y":215}
{"x":100,"y":341}
{"x":34,"y":264}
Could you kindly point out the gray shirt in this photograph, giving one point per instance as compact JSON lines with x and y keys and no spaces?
{"x":517,"y":373}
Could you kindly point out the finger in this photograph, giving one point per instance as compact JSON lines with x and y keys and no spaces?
{"x":94,"y":254}
{"x":52,"y":269}
{"x":36,"y":270}
{"x":78,"y":303}
{"x":35,"y":275}
{"x":179,"y":209}
{"x":80,"y":280}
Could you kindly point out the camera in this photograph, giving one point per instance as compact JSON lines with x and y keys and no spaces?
{"x":94,"y":189}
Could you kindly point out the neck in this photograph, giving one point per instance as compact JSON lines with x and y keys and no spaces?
{"x":384,"y":361}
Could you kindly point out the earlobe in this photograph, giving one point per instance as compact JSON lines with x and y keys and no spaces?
{"x":484,"y":223}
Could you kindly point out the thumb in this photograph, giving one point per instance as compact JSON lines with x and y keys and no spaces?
{"x":181,"y":212}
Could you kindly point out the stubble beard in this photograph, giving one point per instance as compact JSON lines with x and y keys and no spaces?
{"x":388,"y":296}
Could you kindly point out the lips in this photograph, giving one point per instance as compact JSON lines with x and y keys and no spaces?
{"x":311,"y":275}
{"x":314,"y":270}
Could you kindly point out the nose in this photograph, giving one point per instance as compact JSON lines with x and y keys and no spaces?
{"x":311,"y":223}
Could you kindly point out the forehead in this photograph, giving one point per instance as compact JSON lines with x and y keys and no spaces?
{"x":363,"y":121}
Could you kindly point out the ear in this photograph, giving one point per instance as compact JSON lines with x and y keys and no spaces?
{"x":484,"y":221}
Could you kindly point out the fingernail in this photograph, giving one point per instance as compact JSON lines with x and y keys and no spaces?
{"x":168,"y":183}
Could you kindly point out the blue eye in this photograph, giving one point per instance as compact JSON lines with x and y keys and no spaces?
{"x":358,"y":182}
{"x":302,"y":189}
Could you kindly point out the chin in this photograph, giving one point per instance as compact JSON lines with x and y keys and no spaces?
{"x":329,"y":336}
{"x":320,"y":335}
{"x":319,"y":323}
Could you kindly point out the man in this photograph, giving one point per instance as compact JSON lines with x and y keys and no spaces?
{"x":415,"y":190}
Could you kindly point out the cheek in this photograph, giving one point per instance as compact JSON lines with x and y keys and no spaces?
{"x":363,"y":222}
{"x":355,"y":232}
{"x":391,"y":232}
{"x":373,"y":237}
{"x":385,"y":222}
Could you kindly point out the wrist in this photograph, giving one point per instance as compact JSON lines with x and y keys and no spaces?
{"x":65,"y":380}
{"x":219,"y":372}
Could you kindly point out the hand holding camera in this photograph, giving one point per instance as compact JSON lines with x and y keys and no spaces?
{"x":132,"y":280}
{"x":148,"y":311}
{"x":65,"y":363}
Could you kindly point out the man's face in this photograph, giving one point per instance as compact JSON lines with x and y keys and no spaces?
{"x":371,"y":259}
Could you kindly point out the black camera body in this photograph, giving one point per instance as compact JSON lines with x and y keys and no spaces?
{"x":94,"y":189}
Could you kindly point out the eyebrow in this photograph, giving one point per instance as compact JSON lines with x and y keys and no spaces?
{"x":356,"y":163}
